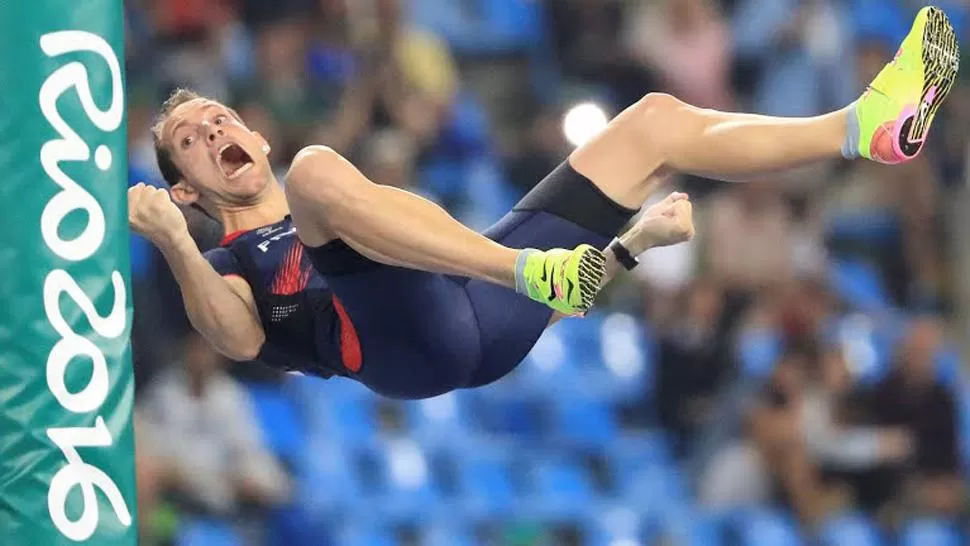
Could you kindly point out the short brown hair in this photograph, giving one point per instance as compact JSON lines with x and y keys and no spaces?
{"x":170,"y":172}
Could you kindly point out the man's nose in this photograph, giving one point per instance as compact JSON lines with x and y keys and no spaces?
{"x":214,"y":132}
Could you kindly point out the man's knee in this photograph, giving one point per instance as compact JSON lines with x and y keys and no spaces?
{"x":659,"y":103}
{"x":315,"y":192}
{"x":660,"y":118}
{"x":315,"y":177}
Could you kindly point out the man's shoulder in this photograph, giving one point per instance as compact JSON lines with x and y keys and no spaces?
{"x":217,"y":253}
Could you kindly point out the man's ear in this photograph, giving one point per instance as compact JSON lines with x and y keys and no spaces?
{"x":264,"y":145}
{"x":184,"y":194}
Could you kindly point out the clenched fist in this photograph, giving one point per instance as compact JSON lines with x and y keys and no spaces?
{"x":670,"y":221}
{"x":152,"y":213}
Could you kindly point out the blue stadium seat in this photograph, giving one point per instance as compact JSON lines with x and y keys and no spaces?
{"x":504,"y":411}
{"x":491,"y":27}
{"x":409,"y":492}
{"x":295,"y":525}
{"x":850,"y":530}
{"x":367,"y":534}
{"x":859,"y":285}
{"x":582,"y":338}
{"x":631,"y":452}
{"x":447,"y":535}
{"x":612,"y":525}
{"x":329,"y":484}
{"x":948,"y":365}
{"x":604,"y":357}
{"x":485,"y":483}
{"x":207,"y":532}
{"x":876,"y":229}
{"x":758,"y":350}
{"x":655,"y":490}
{"x":694,"y":527}
{"x":767,"y":528}
{"x":279,"y":419}
{"x":583,"y":423}
{"x":353,"y":422}
{"x":561,"y":489}
{"x":550,"y":369}
{"x":929,"y":532}
{"x":438,"y":421}
{"x":627,"y":348}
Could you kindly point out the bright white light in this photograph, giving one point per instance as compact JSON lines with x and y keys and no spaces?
{"x":619,"y":345}
{"x":583,"y":122}
{"x":408,"y":466}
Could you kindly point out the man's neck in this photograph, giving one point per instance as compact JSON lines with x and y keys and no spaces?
{"x":270,"y":209}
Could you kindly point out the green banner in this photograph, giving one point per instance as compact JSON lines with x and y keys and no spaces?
{"x":66,"y":388}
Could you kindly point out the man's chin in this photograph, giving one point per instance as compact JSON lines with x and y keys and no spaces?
{"x":249,"y":185}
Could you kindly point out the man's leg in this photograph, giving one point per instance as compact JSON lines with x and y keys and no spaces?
{"x":330,"y":199}
{"x":656,"y":136}
{"x":889,"y":123}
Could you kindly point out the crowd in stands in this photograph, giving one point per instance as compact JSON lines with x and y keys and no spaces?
{"x":791,"y":374}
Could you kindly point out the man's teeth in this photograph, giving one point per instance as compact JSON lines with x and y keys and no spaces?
{"x":240,"y":171}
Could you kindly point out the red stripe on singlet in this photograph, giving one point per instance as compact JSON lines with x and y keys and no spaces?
{"x":349,"y":342}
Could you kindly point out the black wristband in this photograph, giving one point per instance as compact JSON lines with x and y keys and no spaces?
{"x":627,"y":260}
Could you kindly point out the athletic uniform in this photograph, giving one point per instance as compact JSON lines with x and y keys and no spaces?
{"x":405,"y":333}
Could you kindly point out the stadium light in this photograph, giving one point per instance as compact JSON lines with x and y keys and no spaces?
{"x":584,"y":121}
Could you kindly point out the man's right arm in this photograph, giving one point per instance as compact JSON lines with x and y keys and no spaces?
{"x":221,"y":308}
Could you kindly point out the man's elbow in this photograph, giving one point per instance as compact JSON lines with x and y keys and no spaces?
{"x":239,"y":348}
{"x":250,"y":348}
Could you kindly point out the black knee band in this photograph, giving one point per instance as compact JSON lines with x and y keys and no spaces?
{"x":575,"y":198}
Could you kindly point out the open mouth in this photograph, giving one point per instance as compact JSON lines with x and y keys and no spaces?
{"x":234,"y":161}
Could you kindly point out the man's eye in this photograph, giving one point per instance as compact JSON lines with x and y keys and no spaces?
{"x":186,"y":142}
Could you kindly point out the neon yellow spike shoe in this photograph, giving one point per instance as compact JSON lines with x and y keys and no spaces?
{"x":895,"y":113}
{"x":565,"y":280}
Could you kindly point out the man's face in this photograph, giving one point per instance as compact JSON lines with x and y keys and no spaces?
{"x":221,"y":160}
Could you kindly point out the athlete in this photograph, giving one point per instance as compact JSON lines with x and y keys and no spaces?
{"x":331,"y":274}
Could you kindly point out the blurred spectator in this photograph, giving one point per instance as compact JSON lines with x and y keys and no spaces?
{"x":835,"y":443}
{"x":388,"y":158}
{"x":260,"y":119}
{"x":805,"y":434}
{"x":195,"y":35}
{"x":806,"y":310}
{"x":280,"y":84}
{"x":588,"y":40}
{"x":693,"y":362}
{"x":913,"y":398}
{"x":795,"y":53}
{"x":199,"y":444}
{"x":421,"y":94}
{"x":769,"y":458}
{"x":542,"y":148}
{"x":785,"y":439}
{"x":750,"y":238}
{"x":688,"y":44}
